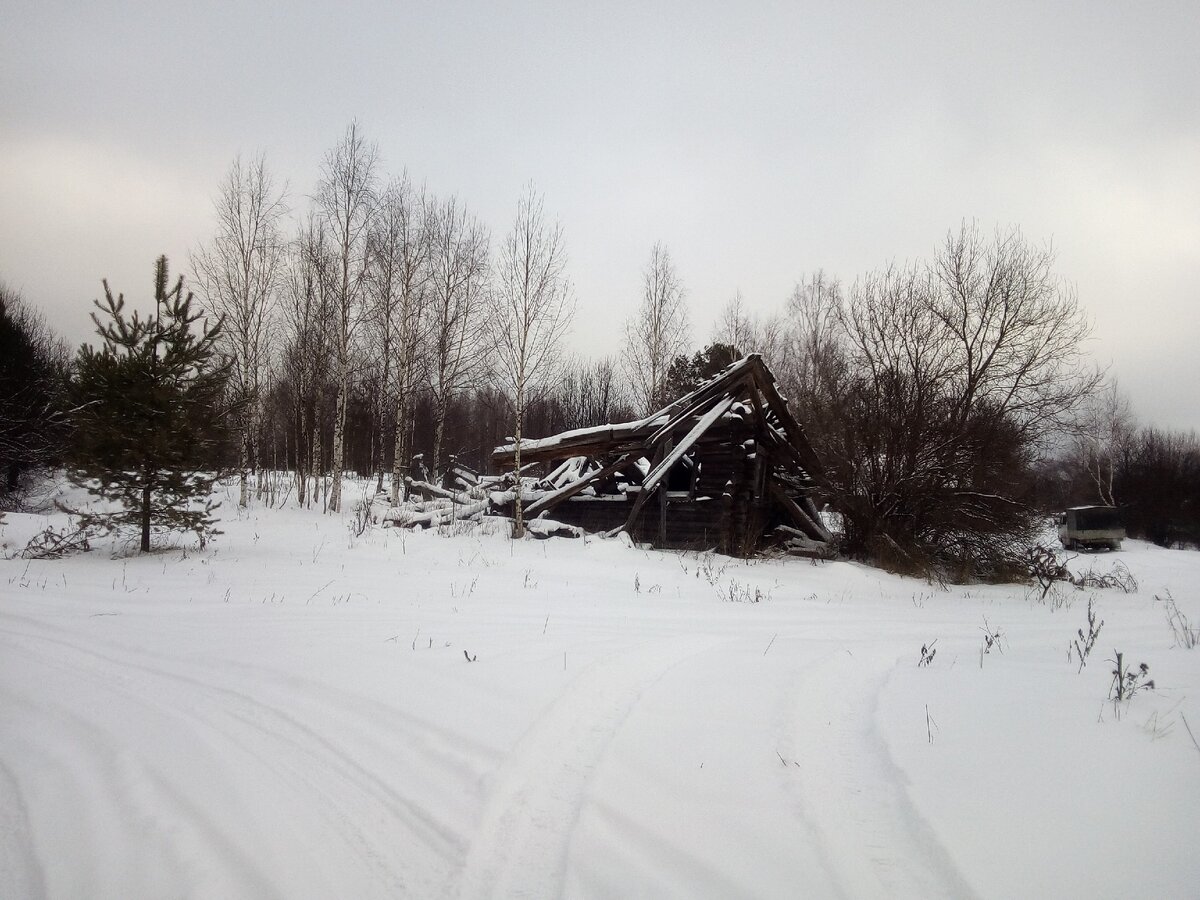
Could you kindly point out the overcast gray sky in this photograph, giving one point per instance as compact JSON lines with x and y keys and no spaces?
{"x":759,"y":142}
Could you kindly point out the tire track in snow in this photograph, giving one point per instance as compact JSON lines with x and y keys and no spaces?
{"x":522,"y":843}
{"x":350,"y":793}
{"x":845,"y":783}
{"x":20,"y":874}
{"x":111,"y":789}
{"x":268,"y":719}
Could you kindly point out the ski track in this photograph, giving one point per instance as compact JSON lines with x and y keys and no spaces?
{"x":212,"y":717}
{"x":523,"y":841}
{"x":845,"y":784}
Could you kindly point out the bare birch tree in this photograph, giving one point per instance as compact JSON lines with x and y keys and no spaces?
{"x":658,"y":332}
{"x":1105,"y":432}
{"x":400,"y":252}
{"x":306,"y":309}
{"x":457,"y":297}
{"x":747,"y":333}
{"x":735,"y":326}
{"x":531,"y":312}
{"x":346,"y":200}
{"x":810,"y":357}
{"x":237,"y":275}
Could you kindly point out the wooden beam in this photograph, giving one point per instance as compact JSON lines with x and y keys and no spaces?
{"x":795,"y":434}
{"x":552,"y":499}
{"x":811,"y":526}
{"x":581,"y":442}
{"x":432,"y":490}
{"x":731,"y":373}
{"x":655,"y":475}
{"x":662,"y":502}
{"x":706,"y":421}
{"x":703,"y":396}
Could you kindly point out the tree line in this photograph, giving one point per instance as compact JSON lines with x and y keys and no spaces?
{"x":380,"y":329}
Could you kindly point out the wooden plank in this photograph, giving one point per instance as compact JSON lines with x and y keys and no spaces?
{"x":795,"y":434}
{"x":432,"y":490}
{"x":703,"y":396}
{"x":655,"y":475}
{"x":658,"y":472}
{"x":662,"y":501}
{"x":559,"y":470}
{"x":597,"y":441}
{"x":811,"y":526}
{"x":605,"y":439}
{"x":552,"y":499}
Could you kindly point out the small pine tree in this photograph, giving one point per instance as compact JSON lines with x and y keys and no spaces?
{"x":150,"y":423}
{"x":686,"y":374}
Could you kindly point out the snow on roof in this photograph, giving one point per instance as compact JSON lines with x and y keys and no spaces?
{"x":614,"y":431}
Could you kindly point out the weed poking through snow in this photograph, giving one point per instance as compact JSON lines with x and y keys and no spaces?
{"x":737,"y":592}
{"x":992,"y":638}
{"x":1186,"y":634}
{"x":927,"y":653}
{"x":1085,"y":642}
{"x":360,"y":518}
{"x":1126,"y":681}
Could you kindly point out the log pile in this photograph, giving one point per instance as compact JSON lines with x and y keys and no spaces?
{"x":437,"y":506}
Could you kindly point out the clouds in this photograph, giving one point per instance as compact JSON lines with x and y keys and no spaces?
{"x":77,"y":211}
{"x":758,"y":142}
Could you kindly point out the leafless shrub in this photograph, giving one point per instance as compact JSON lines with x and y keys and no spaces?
{"x":55,"y":543}
{"x":709,"y":568}
{"x":1120,"y":578}
{"x":1045,"y":569}
{"x":992,"y":639}
{"x":360,"y":517}
{"x":888,"y":554}
{"x":937,"y":384}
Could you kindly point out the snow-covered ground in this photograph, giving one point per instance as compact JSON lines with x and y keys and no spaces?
{"x":296,"y":712}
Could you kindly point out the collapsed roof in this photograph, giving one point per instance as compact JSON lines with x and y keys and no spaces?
{"x":727,"y":463}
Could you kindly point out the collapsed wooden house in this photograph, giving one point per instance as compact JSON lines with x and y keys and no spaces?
{"x":724,"y":468}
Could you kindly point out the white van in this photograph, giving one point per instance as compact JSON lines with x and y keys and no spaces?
{"x":1091,"y":528}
